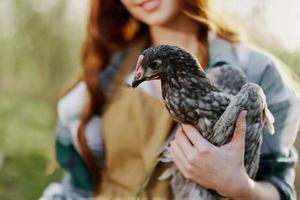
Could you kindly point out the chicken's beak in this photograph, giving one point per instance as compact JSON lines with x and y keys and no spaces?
{"x":139,"y":73}
{"x":136,"y":82}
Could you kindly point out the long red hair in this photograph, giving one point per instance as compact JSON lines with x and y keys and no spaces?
{"x":107,"y":33}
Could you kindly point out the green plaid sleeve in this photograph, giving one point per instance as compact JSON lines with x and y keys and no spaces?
{"x":68,"y":157}
{"x":278,"y":156}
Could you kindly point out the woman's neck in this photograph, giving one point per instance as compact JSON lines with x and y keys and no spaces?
{"x":181,"y":31}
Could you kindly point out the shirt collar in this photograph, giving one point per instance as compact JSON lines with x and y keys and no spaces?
{"x":220,"y":51}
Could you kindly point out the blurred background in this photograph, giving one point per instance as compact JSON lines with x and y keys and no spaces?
{"x":40,"y":56}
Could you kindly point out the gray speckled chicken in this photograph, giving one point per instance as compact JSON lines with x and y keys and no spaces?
{"x":210,"y":106}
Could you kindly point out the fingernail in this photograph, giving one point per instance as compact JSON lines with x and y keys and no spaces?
{"x":183,"y":126}
{"x":244,"y":112}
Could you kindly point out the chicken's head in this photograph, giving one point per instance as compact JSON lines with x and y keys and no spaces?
{"x":161,"y":61}
{"x":150,"y":66}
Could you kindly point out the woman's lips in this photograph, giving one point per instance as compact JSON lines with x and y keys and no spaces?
{"x":151,"y":5}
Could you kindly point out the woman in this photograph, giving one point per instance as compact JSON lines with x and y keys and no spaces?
{"x":101,"y":116}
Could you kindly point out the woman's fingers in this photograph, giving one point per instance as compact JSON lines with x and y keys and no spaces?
{"x":240,"y":129}
{"x":183,"y":143}
{"x":179,"y":159}
{"x":199,"y":142}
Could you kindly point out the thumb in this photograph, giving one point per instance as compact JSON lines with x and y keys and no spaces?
{"x":240,"y":129}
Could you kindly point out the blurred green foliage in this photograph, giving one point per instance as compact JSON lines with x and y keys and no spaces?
{"x":40,"y":51}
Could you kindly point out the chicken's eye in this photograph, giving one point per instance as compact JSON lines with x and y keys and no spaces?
{"x":155,"y":64}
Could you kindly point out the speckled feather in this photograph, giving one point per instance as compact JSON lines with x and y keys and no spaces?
{"x":211,"y":107}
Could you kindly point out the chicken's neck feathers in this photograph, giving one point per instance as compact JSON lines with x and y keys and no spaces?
{"x":193,"y":80}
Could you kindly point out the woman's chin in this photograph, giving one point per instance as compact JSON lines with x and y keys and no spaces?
{"x":156,"y":21}
{"x":158,"y":18}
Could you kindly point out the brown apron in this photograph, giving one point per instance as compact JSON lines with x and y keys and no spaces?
{"x":135,"y":125}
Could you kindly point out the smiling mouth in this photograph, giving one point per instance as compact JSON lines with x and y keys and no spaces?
{"x":150,"y":5}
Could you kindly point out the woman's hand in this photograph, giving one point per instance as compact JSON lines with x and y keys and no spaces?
{"x":218,"y":168}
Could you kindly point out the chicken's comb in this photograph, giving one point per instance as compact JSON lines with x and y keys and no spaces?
{"x":138,"y":70}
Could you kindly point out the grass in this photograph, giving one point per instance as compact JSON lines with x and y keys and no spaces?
{"x":26,"y":140}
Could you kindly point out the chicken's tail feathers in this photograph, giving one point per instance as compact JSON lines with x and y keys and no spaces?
{"x":269,"y":120}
